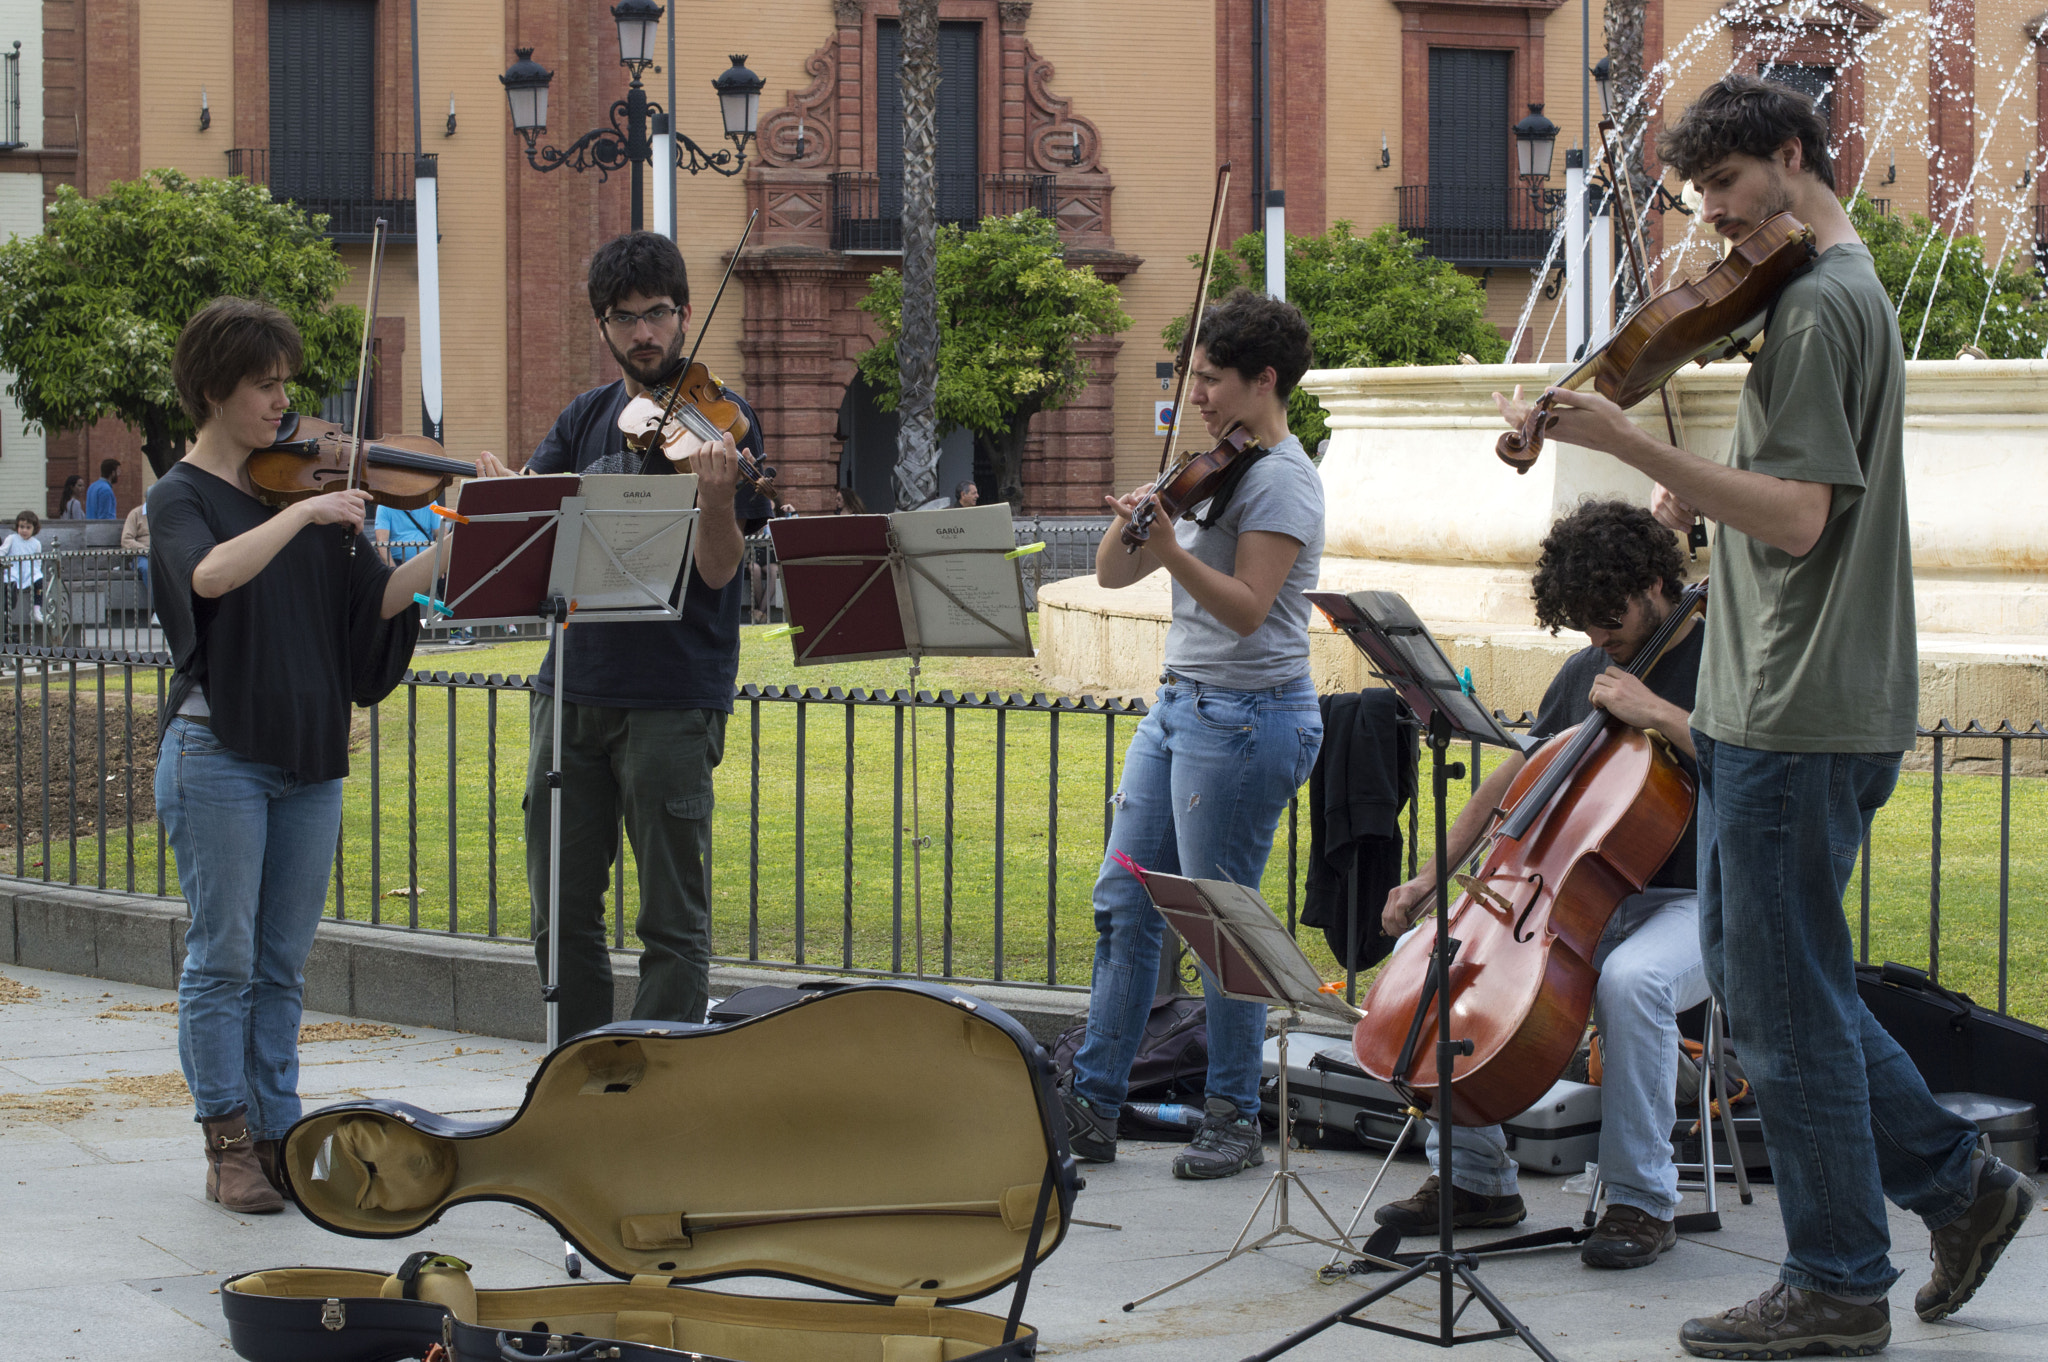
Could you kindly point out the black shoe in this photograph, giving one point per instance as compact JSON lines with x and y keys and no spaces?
{"x":1964,"y":1249}
{"x":1788,"y":1322}
{"x":1090,"y":1134}
{"x":1627,"y":1236}
{"x":1225,"y":1144}
{"x":1469,"y":1210}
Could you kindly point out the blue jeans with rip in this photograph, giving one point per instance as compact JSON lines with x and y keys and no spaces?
{"x":1847,"y":1118}
{"x":254,"y":847}
{"x":1208,"y":773}
{"x":1650,"y":971}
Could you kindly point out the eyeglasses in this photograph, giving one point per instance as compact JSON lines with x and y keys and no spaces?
{"x":656,"y":317}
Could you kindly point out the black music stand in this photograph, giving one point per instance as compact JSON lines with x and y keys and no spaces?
{"x":1252,"y":959}
{"x":1404,"y":655}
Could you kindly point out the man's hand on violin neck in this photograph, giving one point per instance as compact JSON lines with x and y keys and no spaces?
{"x":488,"y":465}
{"x":717,"y":466}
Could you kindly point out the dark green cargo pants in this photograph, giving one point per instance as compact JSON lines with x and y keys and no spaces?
{"x":653,"y":766}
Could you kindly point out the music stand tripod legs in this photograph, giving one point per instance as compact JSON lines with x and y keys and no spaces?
{"x":1450,"y":1267}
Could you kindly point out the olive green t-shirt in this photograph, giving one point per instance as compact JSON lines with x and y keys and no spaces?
{"x":1818,"y":653}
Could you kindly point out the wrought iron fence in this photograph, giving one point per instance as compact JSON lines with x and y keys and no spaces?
{"x":866,"y":208}
{"x":876,"y":832}
{"x":1484,"y":226}
{"x":353,"y":188}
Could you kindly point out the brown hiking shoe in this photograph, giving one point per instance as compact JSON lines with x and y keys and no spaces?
{"x":1964,"y":1249}
{"x":234,"y":1178}
{"x":1627,"y":1236}
{"x":1788,"y":1322}
{"x":1469,"y":1210}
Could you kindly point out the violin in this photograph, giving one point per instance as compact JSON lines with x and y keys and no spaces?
{"x":1709,"y":318}
{"x":1190,"y":482}
{"x":1585,"y":823}
{"x":312,"y":457}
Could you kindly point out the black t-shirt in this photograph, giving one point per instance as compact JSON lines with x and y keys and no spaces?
{"x":281,"y":656}
{"x":688,"y":663}
{"x":1674,"y":677}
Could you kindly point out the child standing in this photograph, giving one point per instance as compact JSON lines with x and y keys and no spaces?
{"x":26,"y":574}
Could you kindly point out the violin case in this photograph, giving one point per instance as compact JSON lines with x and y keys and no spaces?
{"x":908,"y":1155}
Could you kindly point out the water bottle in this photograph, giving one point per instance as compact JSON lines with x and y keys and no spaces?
{"x":1579,"y":1184}
{"x":1169,"y":1114}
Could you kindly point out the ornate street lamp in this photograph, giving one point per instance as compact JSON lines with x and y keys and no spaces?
{"x":625,"y":143}
{"x":1603,"y":76}
{"x":1535,"y":143}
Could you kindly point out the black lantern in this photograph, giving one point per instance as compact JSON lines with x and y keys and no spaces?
{"x":1603,"y":76}
{"x":637,"y":21}
{"x":739,"y":100}
{"x":526,"y":90}
{"x":1535,"y":141}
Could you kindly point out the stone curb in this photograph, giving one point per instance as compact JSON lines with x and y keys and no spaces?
{"x":408,"y":978}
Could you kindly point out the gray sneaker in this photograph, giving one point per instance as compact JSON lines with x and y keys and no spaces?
{"x":1964,"y":1249}
{"x":1090,"y":1134}
{"x":1788,"y":1322}
{"x":1225,"y":1144}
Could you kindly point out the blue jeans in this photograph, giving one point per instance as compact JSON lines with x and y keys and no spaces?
{"x":1650,"y":971}
{"x":1847,"y":1118}
{"x":254,"y":847}
{"x":1204,"y":783}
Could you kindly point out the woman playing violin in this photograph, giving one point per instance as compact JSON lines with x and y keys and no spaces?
{"x":275,"y":625}
{"x":1233,"y":734}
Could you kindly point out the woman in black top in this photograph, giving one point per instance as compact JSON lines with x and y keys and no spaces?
{"x":275,"y":626}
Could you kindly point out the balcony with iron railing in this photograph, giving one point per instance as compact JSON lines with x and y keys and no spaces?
{"x":867,"y":211}
{"x":353,"y":188}
{"x":1484,"y":226}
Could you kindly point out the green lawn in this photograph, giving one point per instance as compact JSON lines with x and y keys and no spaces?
{"x":847,"y":908}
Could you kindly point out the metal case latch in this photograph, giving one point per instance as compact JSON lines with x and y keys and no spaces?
{"x":332,"y":1316}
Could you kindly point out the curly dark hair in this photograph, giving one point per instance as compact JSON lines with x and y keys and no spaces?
{"x":1597,"y":559}
{"x":638,"y":262}
{"x":1251,"y":333}
{"x":1750,"y":115}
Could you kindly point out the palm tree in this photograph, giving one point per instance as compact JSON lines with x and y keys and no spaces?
{"x":917,"y":346}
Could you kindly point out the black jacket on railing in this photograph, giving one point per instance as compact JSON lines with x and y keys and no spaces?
{"x":1364,"y":776}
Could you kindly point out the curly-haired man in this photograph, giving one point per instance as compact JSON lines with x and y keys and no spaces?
{"x":1807,"y":698}
{"x":1610,"y":570}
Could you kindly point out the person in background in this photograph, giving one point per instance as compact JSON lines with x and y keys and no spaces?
{"x":27,"y":574}
{"x":401,"y":534}
{"x":99,"y":498}
{"x":135,"y":540}
{"x":967,"y":494}
{"x":849,"y":502}
{"x":74,"y":488}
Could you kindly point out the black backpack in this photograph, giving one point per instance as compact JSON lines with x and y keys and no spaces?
{"x":1172,"y":1064}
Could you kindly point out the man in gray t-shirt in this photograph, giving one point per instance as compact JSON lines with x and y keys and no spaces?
{"x":1232,"y":735}
{"x":1805,"y":703}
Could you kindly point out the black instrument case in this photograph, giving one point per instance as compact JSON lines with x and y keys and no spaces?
{"x":906,"y":1151}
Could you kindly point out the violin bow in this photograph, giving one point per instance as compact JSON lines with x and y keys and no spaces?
{"x":356,"y":437}
{"x":1639,"y":267}
{"x":1186,"y":360}
{"x":676,"y":394}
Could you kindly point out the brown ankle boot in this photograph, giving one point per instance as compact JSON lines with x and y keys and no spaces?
{"x":270,"y":1158}
{"x":234,"y":1178}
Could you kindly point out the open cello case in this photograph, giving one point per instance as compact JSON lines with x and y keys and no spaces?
{"x":904,"y":1150}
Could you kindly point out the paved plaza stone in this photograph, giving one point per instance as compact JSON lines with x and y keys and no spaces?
{"x":111,"y":1251}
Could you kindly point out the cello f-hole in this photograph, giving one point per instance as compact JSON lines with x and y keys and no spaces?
{"x":1522,"y":936}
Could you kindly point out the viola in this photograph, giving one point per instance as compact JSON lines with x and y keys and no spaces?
{"x":312,"y":457}
{"x":695,"y":403}
{"x":1188,"y":483}
{"x":1585,"y":823}
{"x":1709,"y":318}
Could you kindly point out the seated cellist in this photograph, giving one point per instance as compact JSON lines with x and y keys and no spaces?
{"x":1610,"y":570}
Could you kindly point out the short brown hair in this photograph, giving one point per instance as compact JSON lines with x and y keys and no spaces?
{"x":226,"y":341}
{"x":1750,"y":115}
{"x":35,"y":522}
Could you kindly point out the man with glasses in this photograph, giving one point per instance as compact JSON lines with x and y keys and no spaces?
{"x":644,"y":705}
{"x":1610,"y":570}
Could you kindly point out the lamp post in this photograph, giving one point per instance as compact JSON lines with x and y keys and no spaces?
{"x":626,"y":143}
{"x":1535,"y":144}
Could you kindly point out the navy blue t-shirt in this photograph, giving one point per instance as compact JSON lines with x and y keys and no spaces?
{"x":689,"y":663}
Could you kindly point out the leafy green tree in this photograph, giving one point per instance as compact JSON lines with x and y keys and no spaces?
{"x":1010,"y":314}
{"x":1370,"y":302}
{"x":90,"y":310}
{"x":2004,"y":315}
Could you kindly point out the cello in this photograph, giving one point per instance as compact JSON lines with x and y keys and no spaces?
{"x":1585,"y":823}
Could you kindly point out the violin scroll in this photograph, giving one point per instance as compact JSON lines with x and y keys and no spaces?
{"x":1519,"y":448}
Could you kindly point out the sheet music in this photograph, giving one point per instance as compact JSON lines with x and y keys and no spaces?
{"x":651,"y":548}
{"x":984,"y":582}
{"x":1265,"y":937}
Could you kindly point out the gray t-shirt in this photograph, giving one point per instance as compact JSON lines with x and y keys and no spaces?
{"x":1282,"y":493}
{"x":1818,"y":653}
